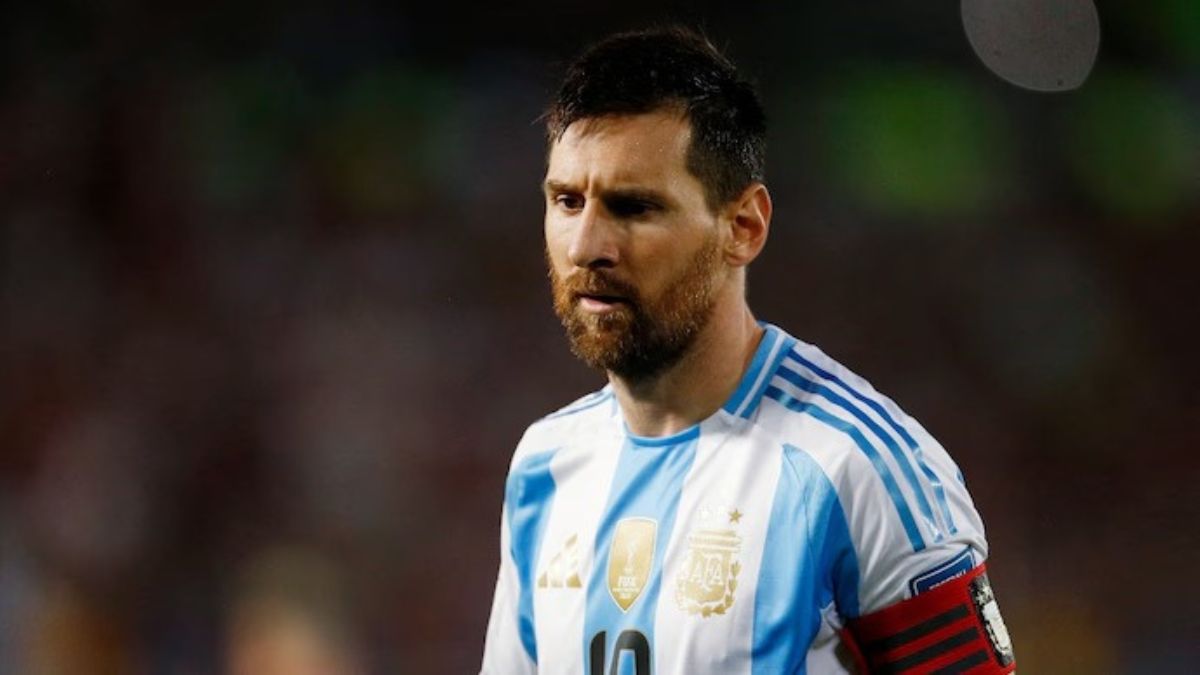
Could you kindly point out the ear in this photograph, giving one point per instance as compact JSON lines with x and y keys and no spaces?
{"x":749,"y":222}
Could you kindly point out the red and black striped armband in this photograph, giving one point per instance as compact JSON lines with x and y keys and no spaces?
{"x":952,"y":628}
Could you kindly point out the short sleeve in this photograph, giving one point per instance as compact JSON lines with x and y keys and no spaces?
{"x":907,"y":536}
{"x":503,"y":651}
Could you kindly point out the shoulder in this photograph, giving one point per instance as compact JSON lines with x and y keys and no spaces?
{"x":818,"y":404}
{"x":548,"y":433}
{"x":837,"y":416}
{"x":531,"y":474}
{"x":904,"y":499}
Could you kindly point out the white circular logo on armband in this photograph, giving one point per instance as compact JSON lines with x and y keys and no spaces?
{"x":989,"y":616}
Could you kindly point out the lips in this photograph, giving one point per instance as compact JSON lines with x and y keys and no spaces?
{"x":599,"y":303}
{"x":600,"y":297}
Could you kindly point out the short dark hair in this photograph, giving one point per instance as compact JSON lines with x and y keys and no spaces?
{"x":644,"y":71}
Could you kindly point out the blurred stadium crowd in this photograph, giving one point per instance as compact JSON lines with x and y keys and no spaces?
{"x":273,"y":315}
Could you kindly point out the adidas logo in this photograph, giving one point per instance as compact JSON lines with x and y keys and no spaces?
{"x":563,"y":570}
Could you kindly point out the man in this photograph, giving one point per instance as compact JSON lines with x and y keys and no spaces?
{"x":733,"y":501}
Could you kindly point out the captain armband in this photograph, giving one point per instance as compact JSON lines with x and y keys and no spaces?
{"x":954,"y":627}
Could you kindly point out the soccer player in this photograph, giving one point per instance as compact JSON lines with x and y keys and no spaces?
{"x":733,"y":501}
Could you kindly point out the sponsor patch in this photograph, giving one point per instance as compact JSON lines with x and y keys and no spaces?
{"x":563,"y":570}
{"x":630,"y":559}
{"x":953,"y":568}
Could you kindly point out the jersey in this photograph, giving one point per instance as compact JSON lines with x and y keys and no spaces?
{"x":743,"y":544}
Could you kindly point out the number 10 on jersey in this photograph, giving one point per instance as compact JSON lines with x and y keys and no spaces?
{"x":631,"y":641}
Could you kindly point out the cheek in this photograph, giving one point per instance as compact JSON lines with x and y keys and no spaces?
{"x":556,"y":250}
{"x":672,"y":263}
{"x":658,"y":258}
{"x":557,"y":242}
{"x":553,"y":231}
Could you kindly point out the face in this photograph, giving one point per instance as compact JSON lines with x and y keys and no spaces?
{"x":632,"y":246}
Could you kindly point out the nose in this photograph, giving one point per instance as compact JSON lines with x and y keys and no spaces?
{"x":594,"y":242}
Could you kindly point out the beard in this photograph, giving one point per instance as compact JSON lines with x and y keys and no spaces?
{"x":639,"y":337}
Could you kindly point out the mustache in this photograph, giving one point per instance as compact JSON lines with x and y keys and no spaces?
{"x":594,"y":282}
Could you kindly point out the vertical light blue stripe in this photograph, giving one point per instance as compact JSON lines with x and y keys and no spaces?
{"x":647,"y":484}
{"x":881,"y":467}
{"x":902,"y":460}
{"x":750,"y":377}
{"x":939,"y":490}
{"x":529,"y":496}
{"x":808,"y":561}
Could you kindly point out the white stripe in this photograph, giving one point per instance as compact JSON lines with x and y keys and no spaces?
{"x":733,"y":469}
{"x":583,"y":473}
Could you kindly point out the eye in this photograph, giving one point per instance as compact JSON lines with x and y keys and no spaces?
{"x":630,"y":208}
{"x":569,"y":202}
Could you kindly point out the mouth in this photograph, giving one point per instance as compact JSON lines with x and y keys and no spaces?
{"x":599,"y":303}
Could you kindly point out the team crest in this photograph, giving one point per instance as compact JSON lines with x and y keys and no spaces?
{"x":630,"y":559}
{"x":707,"y":580}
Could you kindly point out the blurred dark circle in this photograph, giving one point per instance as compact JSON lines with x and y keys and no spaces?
{"x":1042,"y":45}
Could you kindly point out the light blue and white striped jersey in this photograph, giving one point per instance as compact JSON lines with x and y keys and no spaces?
{"x":739,"y":545}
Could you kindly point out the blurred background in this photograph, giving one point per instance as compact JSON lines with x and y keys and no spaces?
{"x":273,"y":312}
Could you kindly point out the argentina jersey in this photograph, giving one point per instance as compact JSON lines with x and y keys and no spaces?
{"x":743,"y":544}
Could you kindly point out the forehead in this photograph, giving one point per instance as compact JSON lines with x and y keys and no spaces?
{"x":649,"y":148}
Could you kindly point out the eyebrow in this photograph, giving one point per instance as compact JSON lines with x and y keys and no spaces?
{"x":551,"y":186}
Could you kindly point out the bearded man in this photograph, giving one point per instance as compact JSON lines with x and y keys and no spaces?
{"x":733,"y":501}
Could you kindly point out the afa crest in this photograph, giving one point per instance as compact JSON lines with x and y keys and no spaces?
{"x":708,"y":578}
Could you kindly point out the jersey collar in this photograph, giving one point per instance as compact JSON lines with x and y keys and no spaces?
{"x":774,"y":345}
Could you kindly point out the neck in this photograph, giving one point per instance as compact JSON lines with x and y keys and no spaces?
{"x":700,"y":383}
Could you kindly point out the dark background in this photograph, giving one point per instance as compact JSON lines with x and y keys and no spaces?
{"x":274,"y":313}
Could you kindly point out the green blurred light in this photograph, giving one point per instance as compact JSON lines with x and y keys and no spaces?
{"x":1133,"y":146}
{"x":243,"y":128}
{"x":1180,"y":25}
{"x":1169,"y":28}
{"x":915,"y":141}
{"x":386,"y":146}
